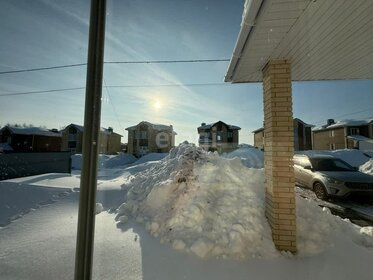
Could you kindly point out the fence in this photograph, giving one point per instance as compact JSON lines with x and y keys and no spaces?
{"x":15,"y":165}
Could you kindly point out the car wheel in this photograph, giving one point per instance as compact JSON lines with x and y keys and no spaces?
{"x":320,"y":191}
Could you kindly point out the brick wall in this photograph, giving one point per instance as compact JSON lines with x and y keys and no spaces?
{"x":279,"y":150}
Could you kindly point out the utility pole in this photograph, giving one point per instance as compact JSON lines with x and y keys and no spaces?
{"x":92,"y":115}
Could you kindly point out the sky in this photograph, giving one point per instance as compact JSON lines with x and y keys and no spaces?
{"x":43,"y":33}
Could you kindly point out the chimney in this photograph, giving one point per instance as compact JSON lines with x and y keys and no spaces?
{"x":110,"y":129}
{"x":203,"y":124}
{"x":330,"y":122}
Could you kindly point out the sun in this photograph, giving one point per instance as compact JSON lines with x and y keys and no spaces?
{"x":157,"y":104}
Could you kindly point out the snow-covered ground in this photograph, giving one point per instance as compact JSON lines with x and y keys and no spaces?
{"x":186,"y":215}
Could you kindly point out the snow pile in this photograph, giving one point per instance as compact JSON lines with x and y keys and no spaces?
{"x":151,"y":157}
{"x":250,"y":157}
{"x":201,"y":203}
{"x":104,"y":161}
{"x":213,"y":206}
{"x":367,"y":167}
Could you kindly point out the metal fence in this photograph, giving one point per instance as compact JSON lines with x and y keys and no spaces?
{"x":15,"y":165}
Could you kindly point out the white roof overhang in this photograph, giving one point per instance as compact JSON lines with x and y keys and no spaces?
{"x":323,"y":39}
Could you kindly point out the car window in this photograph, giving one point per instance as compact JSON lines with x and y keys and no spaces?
{"x":331,"y":165}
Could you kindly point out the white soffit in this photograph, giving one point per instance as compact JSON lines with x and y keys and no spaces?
{"x":323,"y":39}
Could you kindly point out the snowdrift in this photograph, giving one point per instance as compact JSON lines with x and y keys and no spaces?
{"x":213,"y":206}
{"x":249,"y":156}
{"x":105,"y":161}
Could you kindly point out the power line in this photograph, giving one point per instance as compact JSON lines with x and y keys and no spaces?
{"x":118,"y":86}
{"x":349,"y":114}
{"x":170,"y":85}
{"x":42,"y":68}
{"x":112,"y":105}
{"x":116,"y":62}
{"x":41,"y":91}
{"x":168,"y":61}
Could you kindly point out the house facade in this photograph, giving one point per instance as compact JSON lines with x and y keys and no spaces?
{"x":72,"y":140}
{"x":349,"y":134}
{"x":218,"y":136}
{"x":302,"y":136}
{"x":31,"y":139}
{"x":147,"y":137}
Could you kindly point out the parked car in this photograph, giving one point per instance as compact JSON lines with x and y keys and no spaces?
{"x":328,"y":176}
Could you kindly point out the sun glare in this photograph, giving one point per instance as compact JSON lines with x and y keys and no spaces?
{"x":157,"y":104}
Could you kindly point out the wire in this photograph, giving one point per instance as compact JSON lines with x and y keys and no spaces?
{"x":116,"y":62}
{"x":353,"y":113}
{"x":168,"y":61}
{"x":119,"y":86}
{"x":41,"y":91}
{"x":112,"y":105}
{"x":42,"y":68}
{"x":169,"y":85}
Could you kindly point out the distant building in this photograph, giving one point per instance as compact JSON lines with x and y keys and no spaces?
{"x":348,"y":134}
{"x":30,"y":139}
{"x":218,"y":136}
{"x":302,"y":136}
{"x":146,"y":137}
{"x":72,"y":140}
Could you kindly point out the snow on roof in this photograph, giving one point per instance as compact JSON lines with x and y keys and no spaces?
{"x":31,"y":131}
{"x":343,"y":123}
{"x":208,"y":126}
{"x":155,"y":126}
{"x":102,"y":129}
{"x":295,"y":119}
{"x":360,"y":138}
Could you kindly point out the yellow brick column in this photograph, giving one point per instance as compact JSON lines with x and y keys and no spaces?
{"x":278,"y":154}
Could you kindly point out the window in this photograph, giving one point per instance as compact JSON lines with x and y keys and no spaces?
{"x":354,"y":131}
{"x":219,"y":136}
{"x":331,"y":133}
{"x":332,"y":146}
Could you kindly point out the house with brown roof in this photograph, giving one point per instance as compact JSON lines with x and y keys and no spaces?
{"x":72,"y":139}
{"x":345,"y":134}
{"x":146,"y":137}
{"x":218,"y":136}
{"x":30,"y":139}
{"x":302,"y":136}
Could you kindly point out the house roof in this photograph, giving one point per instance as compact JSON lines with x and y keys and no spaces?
{"x":158,"y":127}
{"x":360,"y":138}
{"x":81,"y":128}
{"x":31,"y":131}
{"x":343,"y":123}
{"x":324,"y":40}
{"x":258,"y":130}
{"x":295,"y":119}
{"x":208,"y":126}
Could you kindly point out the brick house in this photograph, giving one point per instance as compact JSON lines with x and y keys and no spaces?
{"x":31,"y":139}
{"x":349,"y":134}
{"x":218,"y":136}
{"x":146,"y":137}
{"x":302,"y":136}
{"x":72,"y":139}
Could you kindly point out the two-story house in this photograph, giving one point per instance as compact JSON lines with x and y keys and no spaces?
{"x":72,"y":139}
{"x":302,"y":136}
{"x":218,"y":136}
{"x":146,"y":137}
{"x":347,"y":134}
